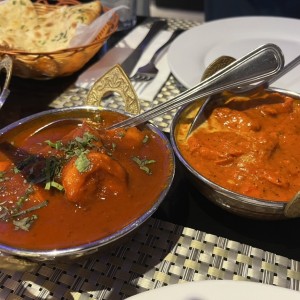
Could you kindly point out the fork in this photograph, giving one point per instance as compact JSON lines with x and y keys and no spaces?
{"x":149,"y":71}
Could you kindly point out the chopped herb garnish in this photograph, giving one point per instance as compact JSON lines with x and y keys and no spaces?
{"x":4,"y":211}
{"x":13,"y":213}
{"x":30,"y":209}
{"x":82,"y":163}
{"x":52,"y":169}
{"x":121,"y":134}
{"x":98,"y":118}
{"x":75,"y":147}
{"x":23,"y":199}
{"x":16,"y":170}
{"x":146,"y":139}
{"x":25,"y":223}
{"x":78,"y":147}
{"x":54,"y":184}
{"x":57,"y":145}
{"x":3,"y":176}
{"x":142,"y":163}
{"x":86,"y":140}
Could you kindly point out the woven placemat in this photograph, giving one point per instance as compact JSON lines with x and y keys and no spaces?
{"x":76,"y":96}
{"x":159,"y":254}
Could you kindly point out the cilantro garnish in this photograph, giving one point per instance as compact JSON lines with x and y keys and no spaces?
{"x":3,"y":176}
{"x":146,"y":139}
{"x":142,"y":163}
{"x":25,"y":223}
{"x":78,"y":147}
{"x":57,"y":145}
{"x":15,"y":212}
{"x":82,"y":163}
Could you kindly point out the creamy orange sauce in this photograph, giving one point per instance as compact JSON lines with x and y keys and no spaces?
{"x":111,"y":193}
{"x":249,"y":147}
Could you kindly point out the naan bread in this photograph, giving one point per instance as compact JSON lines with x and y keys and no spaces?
{"x":22,"y":28}
{"x":16,"y":18}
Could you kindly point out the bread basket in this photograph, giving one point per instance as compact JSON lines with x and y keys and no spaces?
{"x":58,"y":63}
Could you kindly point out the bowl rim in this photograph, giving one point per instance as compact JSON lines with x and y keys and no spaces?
{"x":93,"y":246}
{"x":277,"y":205}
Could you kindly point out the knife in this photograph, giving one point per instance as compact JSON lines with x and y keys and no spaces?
{"x":129,"y":63}
{"x":117,"y":55}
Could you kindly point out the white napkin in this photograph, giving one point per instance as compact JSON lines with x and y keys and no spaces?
{"x":145,"y":90}
{"x":85,"y":34}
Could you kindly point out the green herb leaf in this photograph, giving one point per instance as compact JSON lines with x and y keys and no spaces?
{"x":146,"y":139}
{"x":25,"y":223}
{"x":23,"y":198}
{"x":30,"y":209}
{"x":57,"y":145}
{"x":142,"y":163}
{"x":3,"y":176}
{"x":79,"y":145}
{"x":82,"y":163}
{"x":52,"y":169}
{"x":16,"y":170}
{"x":54,"y":184}
{"x":121,"y":134}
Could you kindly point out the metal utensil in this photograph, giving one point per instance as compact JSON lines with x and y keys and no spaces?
{"x":129,"y":63}
{"x":247,"y":90}
{"x":259,"y":64}
{"x":149,"y":71}
{"x":5,"y":64}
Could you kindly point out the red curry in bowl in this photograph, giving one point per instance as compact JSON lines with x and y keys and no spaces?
{"x":247,"y":146}
{"x":75,"y":183}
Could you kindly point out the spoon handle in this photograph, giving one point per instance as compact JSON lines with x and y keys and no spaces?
{"x":245,"y":90}
{"x":291,"y":65}
{"x":267,"y":82}
{"x":259,"y":64}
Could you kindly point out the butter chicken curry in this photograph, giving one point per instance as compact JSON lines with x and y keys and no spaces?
{"x":249,"y":146}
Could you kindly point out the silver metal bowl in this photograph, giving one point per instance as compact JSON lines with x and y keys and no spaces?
{"x":103,"y":243}
{"x":233,"y":202}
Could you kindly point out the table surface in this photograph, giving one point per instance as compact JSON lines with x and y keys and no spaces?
{"x":184,"y":205}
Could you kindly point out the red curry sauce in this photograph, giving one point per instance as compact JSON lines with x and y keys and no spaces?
{"x":249,"y":147}
{"x":103,"y":181}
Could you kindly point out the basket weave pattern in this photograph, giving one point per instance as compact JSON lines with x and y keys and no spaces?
{"x":61,"y":62}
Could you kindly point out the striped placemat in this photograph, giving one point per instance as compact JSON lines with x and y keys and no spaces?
{"x":159,"y":254}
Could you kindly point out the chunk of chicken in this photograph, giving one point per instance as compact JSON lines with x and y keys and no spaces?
{"x":131,"y":138}
{"x":104,"y":177}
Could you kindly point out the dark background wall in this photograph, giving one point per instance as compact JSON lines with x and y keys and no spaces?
{"x":181,"y":4}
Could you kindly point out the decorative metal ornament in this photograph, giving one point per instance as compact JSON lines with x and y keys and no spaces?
{"x":114,"y":81}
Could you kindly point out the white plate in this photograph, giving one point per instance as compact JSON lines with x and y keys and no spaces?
{"x":219,"y":290}
{"x":196,"y":48}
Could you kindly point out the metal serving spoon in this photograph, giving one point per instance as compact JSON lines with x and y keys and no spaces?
{"x":259,"y":64}
{"x":60,"y":122}
{"x":211,"y":102}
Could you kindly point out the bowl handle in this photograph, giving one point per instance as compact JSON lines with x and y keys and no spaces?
{"x":16,"y":264}
{"x":292,"y":208}
{"x":6,"y":64}
{"x":114,"y":80}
